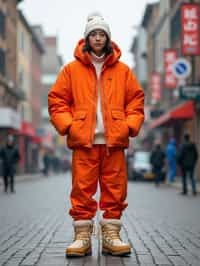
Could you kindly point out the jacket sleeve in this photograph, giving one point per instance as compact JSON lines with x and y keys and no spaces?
{"x":134,"y":104}
{"x":59,"y":102}
{"x":196,"y":155}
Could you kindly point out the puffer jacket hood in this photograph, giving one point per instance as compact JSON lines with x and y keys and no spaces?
{"x":84,"y":57}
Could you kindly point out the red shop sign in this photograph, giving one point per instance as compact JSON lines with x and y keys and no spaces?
{"x":170,"y":56}
{"x":155,"y":86}
{"x":190,"y":29}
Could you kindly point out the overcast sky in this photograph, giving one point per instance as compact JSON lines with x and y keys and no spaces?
{"x":67,"y":20}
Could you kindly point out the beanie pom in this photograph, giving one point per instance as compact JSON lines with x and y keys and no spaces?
{"x":92,"y":15}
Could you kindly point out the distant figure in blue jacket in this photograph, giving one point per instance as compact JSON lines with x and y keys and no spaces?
{"x":171,"y":158}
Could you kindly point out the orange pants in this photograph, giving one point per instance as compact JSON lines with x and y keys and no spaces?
{"x":90,"y":166}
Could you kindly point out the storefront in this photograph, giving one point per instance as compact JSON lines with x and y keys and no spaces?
{"x":29,"y":148}
{"x":176,"y":122}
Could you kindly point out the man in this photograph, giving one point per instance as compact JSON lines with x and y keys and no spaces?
{"x":157,"y":160}
{"x":10,"y":156}
{"x":187,"y":159}
{"x":46,"y":163}
{"x":98,"y":103}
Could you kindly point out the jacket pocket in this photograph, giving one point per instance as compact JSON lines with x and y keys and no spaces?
{"x":118,"y":115}
{"x":79,"y":115}
{"x":78,"y":129}
{"x":120,"y":128}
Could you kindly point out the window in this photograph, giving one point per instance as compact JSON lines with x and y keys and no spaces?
{"x":176,"y":26}
{"x":2,"y":24}
{"x":2,"y":62}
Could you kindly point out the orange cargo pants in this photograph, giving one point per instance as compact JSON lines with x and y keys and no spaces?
{"x":93,"y":166}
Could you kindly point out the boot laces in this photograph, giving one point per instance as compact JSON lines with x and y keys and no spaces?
{"x":111,"y":233}
{"x":83,"y":234}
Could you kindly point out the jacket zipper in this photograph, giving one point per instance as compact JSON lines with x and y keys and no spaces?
{"x":92,"y":127}
{"x":103,"y":113}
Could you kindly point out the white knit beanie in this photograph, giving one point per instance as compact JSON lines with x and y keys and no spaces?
{"x":96,"y":22}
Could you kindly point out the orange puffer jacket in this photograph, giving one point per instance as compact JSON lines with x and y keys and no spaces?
{"x":73,"y":100}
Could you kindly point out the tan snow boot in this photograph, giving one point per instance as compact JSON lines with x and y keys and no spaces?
{"x":111,"y":241}
{"x":82,"y":239}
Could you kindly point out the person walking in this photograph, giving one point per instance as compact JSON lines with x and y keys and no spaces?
{"x":10,"y":156}
{"x":157,"y":160}
{"x":171,"y":154}
{"x":187,"y":159}
{"x":98,"y":103}
{"x":46,"y":163}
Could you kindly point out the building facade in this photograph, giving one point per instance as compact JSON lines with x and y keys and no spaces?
{"x":10,"y":92}
{"x":148,"y":23}
{"x":173,"y":115}
{"x":38,"y":50}
{"x":24,"y":53}
{"x":139,"y":49}
{"x":29,"y":51}
{"x":51,"y":65}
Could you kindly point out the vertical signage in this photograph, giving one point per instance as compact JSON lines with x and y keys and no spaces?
{"x":155,"y":86}
{"x":190,"y":23}
{"x":170,"y":56}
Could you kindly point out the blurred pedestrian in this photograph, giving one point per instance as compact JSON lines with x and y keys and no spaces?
{"x":98,"y":103}
{"x":10,"y":157}
{"x":157,"y":160}
{"x":187,"y":159}
{"x":46,"y":163}
{"x":171,"y":159}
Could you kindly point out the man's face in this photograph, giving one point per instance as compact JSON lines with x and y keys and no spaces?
{"x":97,"y":41}
{"x":10,"y":141}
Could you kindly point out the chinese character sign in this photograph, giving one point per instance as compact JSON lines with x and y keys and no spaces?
{"x":155,"y":86}
{"x":190,"y":29}
{"x":170,"y":57}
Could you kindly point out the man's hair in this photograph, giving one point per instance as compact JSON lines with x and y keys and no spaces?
{"x":107,"y":48}
{"x":187,"y":137}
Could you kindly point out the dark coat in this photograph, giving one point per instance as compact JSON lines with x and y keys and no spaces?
{"x":187,"y":156}
{"x":9,"y":156}
{"x":157,"y":158}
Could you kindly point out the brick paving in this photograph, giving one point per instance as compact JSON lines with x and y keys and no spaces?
{"x":161,"y":225}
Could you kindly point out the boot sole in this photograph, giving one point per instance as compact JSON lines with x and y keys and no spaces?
{"x":77,"y":255}
{"x":120,"y":253}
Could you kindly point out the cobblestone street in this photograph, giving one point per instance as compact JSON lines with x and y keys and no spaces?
{"x":161,"y":225}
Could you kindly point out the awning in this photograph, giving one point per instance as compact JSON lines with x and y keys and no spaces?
{"x":36,"y":139}
{"x":184,"y":111}
{"x":27,"y":129}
